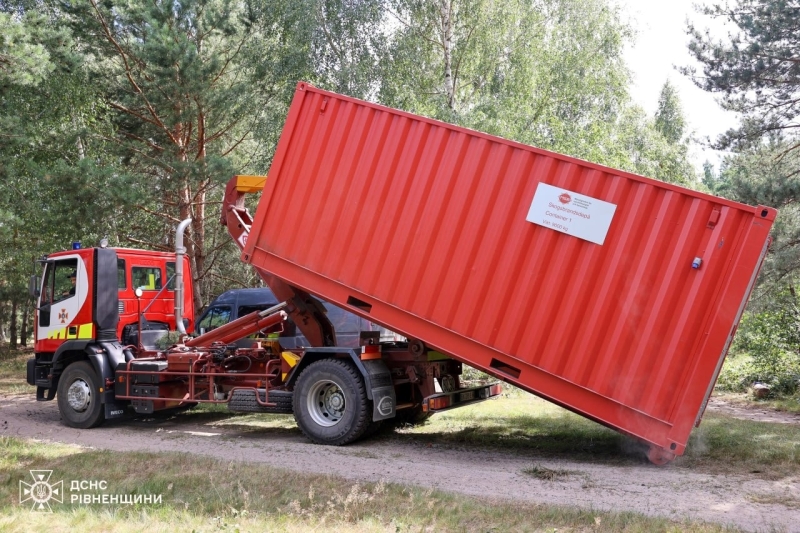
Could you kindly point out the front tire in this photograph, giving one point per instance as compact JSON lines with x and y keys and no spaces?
{"x":79,"y":396}
{"x":330,"y":403}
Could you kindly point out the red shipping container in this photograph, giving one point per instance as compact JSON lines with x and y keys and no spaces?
{"x":611,"y":294}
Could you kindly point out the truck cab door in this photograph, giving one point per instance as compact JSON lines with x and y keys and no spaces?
{"x":60,"y":298}
{"x":46,"y":295}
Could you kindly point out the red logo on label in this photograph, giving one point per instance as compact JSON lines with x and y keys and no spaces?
{"x":564,"y":198}
{"x":63,"y":315}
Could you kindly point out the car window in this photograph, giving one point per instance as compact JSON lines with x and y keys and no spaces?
{"x":215,"y":317}
{"x":343,"y":321}
{"x":247,"y":309}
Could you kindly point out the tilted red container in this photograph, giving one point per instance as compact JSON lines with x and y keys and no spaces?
{"x":618,"y":299}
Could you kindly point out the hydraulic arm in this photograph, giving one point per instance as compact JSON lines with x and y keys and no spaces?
{"x":305,"y":310}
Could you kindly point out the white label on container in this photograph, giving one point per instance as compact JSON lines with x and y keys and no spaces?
{"x":571,"y":213}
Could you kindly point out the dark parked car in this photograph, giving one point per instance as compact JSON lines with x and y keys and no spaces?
{"x":236,"y":303}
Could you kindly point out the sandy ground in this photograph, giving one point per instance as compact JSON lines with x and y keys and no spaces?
{"x":665,"y":491}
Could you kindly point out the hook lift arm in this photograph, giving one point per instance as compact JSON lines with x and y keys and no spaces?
{"x":305,"y":310}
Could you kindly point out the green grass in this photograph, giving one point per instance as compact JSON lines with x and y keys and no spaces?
{"x":535,"y":428}
{"x":730,"y":445}
{"x":202,"y":494}
{"x":527,"y":424}
{"x":530,"y":427}
{"x":13,"y":371}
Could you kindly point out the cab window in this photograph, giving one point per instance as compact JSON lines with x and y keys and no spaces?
{"x":122,"y":283}
{"x":146,"y":278}
{"x":60,"y":280}
{"x":170,"y":276}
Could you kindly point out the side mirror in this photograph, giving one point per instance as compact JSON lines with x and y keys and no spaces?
{"x":33,"y":286}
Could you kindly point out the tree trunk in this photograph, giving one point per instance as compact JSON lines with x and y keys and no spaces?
{"x":446,"y":9}
{"x":26,"y":312}
{"x":12,"y":329}
{"x":3,"y":321}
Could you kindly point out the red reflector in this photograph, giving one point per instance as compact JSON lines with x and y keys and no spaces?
{"x":439,"y":403}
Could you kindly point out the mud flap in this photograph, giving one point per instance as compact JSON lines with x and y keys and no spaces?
{"x":114,"y":410}
{"x":383,"y":403}
{"x":379,"y":380}
{"x":45,"y":394}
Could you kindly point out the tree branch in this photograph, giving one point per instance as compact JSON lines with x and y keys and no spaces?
{"x":128,"y":71}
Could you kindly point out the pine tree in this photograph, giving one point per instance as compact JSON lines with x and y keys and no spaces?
{"x":187,"y":84}
{"x":755,"y":70}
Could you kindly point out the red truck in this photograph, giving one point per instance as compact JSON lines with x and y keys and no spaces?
{"x":101,"y":310}
{"x":610,"y":294}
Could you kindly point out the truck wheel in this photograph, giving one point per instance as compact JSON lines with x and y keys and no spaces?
{"x":79,"y":396}
{"x":331,"y":405}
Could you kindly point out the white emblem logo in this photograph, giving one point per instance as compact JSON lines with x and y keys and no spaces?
{"x":41,"y":491}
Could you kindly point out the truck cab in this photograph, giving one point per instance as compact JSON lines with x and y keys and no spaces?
{"x":87,"y":309}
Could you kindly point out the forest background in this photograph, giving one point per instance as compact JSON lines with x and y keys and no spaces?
{"x":119,"y":118}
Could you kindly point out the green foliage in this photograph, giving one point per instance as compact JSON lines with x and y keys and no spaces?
{"x":185,"y":85}
{"x":771,"y":337}
{"x":552,"y":76}
{"x":170,"y":339}
{"x":346,"y":40}
{"x":23,"y":61}
{"x":767,"y":175}
{"x":120,"y":119}
{"x":670,"y":121}
{"x":549,"y":74}
{"x":754,"y":70}
{"x":639,"y":147}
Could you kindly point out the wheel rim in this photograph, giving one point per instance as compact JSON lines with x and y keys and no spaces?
{"x":326,"y":403}
{"x":79,"y":395}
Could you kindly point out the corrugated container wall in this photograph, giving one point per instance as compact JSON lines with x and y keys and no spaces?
{"x":606,"y":292}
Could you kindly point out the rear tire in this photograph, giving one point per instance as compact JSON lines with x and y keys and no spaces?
{"x":244,"y":401}
{"x":330,"y":402}
{"x":79,"y":396}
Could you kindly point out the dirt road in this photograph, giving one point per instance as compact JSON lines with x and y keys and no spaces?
{"x":658,"y":491}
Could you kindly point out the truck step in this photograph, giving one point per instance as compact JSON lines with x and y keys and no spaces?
{"x":244,"y":401}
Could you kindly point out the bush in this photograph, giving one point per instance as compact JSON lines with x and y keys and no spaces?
{"x":738,"y":374}
{"x":771,"y":339}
